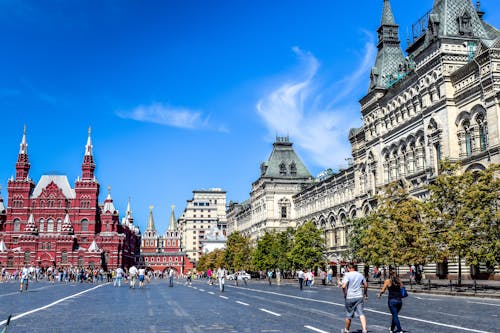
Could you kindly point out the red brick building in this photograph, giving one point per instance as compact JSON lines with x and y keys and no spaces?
{"x":52,"y":224}
{"x":159,"y":252}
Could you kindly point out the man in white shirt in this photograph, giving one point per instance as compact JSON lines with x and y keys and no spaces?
{"x":118,"y":277}
{"x":221,"y":275}
{"x":132,"y":271}
{"x":355,"y":290}
{"x":24,"y":278}
{"x":142,"y":276}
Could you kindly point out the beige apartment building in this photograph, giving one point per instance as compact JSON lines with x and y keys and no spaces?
{"x":203,"y":214}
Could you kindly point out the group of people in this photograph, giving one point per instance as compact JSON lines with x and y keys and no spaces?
{"x":355,"y":289}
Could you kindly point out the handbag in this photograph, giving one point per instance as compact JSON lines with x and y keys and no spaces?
{"x":404,"y":293}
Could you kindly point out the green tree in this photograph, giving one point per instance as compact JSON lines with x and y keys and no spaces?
{"x":308,"y":249}
{"x":211,"y":260}
{"x":463,"y":214}
{"x":265,"y":254}
{"x":394,"y":232}
{"x":238,"y":251}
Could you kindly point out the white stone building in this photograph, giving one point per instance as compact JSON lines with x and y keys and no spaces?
{"x":440,"y":100}
{"x":204,"y":212}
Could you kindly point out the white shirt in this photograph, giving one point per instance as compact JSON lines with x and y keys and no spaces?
{"x":133,"y":271}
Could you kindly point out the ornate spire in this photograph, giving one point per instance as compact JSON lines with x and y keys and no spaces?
{"x":387,"y":17}
{"x":108,"y":203}
{"x":390,"y":59}
{"x":30,"y":226}
{"x":88,"y":165}
{"x":23,"y":164}
{"x":23,"y":149}
{"x":151,"y":222}
{"x":88,"y":147}
{"x":67,"y":226}
{"x":172,"y":226}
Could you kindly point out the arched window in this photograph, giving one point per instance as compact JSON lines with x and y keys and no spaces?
{"x":27,"y":257}
{"x":483,"y":141}
{"x":17,"y":225}
{"x":85,"y":225}
{"x":293,"y":169}
{"x":468,"y":138}
{"x":42,"y":225}
{"x":284,"y":214}
{"x":64,"y":257}
{"x":59,"y":225}
{"x":282,"y":169}
{"x":50,"y":225}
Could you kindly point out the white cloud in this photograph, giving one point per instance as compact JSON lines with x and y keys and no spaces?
{"x":317,"y":117}
{"x":161,"y":114}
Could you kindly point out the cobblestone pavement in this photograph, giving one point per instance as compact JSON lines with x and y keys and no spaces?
{"x":258,"y":307}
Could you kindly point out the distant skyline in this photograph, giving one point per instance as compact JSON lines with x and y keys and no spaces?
{"x":186,"y":95}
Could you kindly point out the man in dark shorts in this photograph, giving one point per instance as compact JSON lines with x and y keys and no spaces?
{"x":355,"y":291}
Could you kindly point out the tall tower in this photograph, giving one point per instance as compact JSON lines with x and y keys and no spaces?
{"x":87,"y":194}
{"x":390,"y":59}
{"x":150,"y":237}
{"x":20,"y":187}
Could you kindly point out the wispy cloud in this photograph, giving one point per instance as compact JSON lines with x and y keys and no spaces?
{"x":317,"y":116}
{"x":161,"y":114}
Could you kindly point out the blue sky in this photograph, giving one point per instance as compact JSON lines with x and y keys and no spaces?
{"x":185,"y":95}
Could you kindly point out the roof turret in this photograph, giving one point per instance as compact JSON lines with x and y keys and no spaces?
{"x":387,"y":16}
{"x":108,"y":203}
{"x":390,"y":59}
{"x":172,"y":226}
{"x":284,"y":162}
{"x":67,"y":226}
{"x":30,"y":226}
{"x":151,"y":222}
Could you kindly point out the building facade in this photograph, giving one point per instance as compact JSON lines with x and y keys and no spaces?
{"x":204,"y":212}
{"x":52,"y":224}
{"x":271,"y":206}
{"x":163,"y":251}
{"x":439,"y":101}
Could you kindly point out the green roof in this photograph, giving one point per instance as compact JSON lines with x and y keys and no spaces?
{"x":284,"y":162}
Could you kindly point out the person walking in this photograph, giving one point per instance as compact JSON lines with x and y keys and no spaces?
{"x":393,"y":284}
{"x":24,"y":278}
{"x":118,"y":277}
{"x":171,"y":277}
{"x":236,"y":276}
{"x":132,"y":271}
{"x":142,"y":276}
{"x":355,"y":290}
{"x":278,"y":276}
{"x":300,"y":276}
{"x":221,"y":275}
{"x":269,"y":276}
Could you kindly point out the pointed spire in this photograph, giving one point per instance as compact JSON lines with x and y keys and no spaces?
{"x":128,"y":219}
{"x":88,"y":146}
{"x":389,"y":55}
{"x":93,"y":247}
{"x":387,"y":17}
{"x":172,"y":226}
{"x":67,"y":226}
{"x":88,"y":165}
{"x":108,"y":203}
{"x":151,"y":222}
{"x":23,"y":147}
{"x":30,"y":226}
